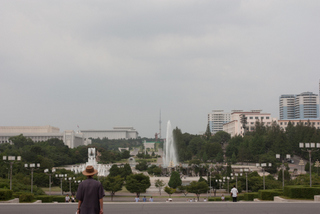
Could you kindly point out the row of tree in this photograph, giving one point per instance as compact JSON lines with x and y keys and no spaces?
{"x":259,"y":145}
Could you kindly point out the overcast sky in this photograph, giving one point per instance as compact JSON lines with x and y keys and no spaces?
{"x":100,"y":64}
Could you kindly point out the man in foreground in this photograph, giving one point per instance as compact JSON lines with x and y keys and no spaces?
{"x":90,"y":194}
{"x":234,"y":193}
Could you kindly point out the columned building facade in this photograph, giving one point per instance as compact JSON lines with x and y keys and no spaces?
{"x":43,"y":133}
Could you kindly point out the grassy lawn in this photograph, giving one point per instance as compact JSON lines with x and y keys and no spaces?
{"x":53,"y":189}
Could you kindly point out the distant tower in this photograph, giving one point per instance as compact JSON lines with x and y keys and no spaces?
{"x":160,"y":123}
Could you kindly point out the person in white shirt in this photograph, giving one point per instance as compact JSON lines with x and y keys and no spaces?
{"x":67,"y":198}
{"x":234,"y":193}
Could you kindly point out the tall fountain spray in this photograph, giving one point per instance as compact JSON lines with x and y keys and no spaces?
{"x":170,"y":155}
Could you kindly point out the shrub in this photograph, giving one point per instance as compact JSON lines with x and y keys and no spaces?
{"x":4,"y":185}
{"x":26,"y":197}
{"x":250,"y":196}
{"x":304,"y":192}
{"x":44,"y":198}
{"x":268,"y":194}
{"x":58,"y":198}
{"x":5,"y":194}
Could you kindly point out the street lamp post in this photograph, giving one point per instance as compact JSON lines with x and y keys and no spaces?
{"x":48,"y":173}
{"x":60,"y":176}
{"x":70,"y":179}
{"x":309,"y":147}
{"x":227,"y":178}
{"x":235,"y":175}
{"x":263,"y":165}
{"x":282,"y":166}
{"x":246,"y":172}
{"x":11,"y":160}
{"x":32,"y":167}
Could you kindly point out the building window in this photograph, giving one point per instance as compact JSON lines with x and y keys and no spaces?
{"x":281,"y":123}
{"x":261,"y":118}
{"x":256,"y":118}
{"x":267,"y":118}
{"x":251,"y":118}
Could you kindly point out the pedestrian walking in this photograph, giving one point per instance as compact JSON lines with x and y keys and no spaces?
{"x":234,"y":193}
{"x":90,"y":194}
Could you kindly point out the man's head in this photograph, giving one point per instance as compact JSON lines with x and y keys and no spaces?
{"x":90,"y":171}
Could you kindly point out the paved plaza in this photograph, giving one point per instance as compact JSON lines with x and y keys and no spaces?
{"x":307,"y":207}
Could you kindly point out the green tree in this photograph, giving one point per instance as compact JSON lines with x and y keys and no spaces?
{"x":137,"y":183}
{"x":198,"y":188}
{"x":159,"y":184}
{"x":125,"y":171}
{"x":169,"y":190}
{"x":114,"y":171}
{"x":175,"y":180}
{"x":207,"y":134}
{"x":113,"y":184}
{"x":142,"y":166}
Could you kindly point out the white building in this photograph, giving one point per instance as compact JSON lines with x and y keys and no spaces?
{"x":115,"y":133}
{"x":217,"y":119}
{"x":234,"y":127}
{"x":43,"y":133}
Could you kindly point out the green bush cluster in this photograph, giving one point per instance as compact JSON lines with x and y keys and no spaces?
{"x":5,"y":194}
{"x":226,"y":198}
{"x":44,"y":198}
{"x":250,"y":196}
{"x":26,"y":197}
{"x":58,"y":198}
{"x":4,"y":185}
{"x":303,"y":192}
{"x":269,"y":194}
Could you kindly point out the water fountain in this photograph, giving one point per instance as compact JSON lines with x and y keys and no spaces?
{"x":170,"y":155}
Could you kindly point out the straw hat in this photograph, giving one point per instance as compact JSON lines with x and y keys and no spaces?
{"x":90,"y":171}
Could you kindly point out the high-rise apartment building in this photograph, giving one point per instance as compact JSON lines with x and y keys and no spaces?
{"x":216,"y":119}
{"x":287,"y":106}
{"x":300,"y":106}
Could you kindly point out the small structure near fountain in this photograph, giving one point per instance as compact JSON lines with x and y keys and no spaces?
{"x":132,"y":162}
{"x":103,"y":169}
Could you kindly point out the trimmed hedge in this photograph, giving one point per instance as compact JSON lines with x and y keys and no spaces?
{"x":44,"y":198}
{"x":269,"y":194}
{"x":58,"y":198}
{"x":226,"y":198}
{"x":5,"y":194}
{"x":301,"y":192}
{"x":250,"y":196}
{"x":26,"y":197}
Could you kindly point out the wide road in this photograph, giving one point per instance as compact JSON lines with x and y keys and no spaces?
{"x":167,"y":208}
